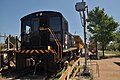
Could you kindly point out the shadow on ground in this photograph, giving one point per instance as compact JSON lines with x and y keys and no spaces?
{"x":117,"y":63}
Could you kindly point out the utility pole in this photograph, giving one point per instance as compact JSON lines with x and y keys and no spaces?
{"x":81,"y":8}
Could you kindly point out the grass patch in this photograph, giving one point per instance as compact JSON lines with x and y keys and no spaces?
{"x":113,"y":52}
{"x":116,"y":53}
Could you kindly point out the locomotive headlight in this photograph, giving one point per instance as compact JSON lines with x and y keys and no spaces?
{"x":49,"y":47}
{"x":41,"y":14}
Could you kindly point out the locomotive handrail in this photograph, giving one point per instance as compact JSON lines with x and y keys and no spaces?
{"x":57,"y":42}
{"x":12,"y":44}
{"x":69,"y":49}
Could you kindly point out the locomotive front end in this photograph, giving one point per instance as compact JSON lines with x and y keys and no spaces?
{"x":41,"y":40}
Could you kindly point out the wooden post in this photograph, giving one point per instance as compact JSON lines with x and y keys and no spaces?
{"x":8,"y":43}
{"x":16,"y":43}
{"x":1,"y":61}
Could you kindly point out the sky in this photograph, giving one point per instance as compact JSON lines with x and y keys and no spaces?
{"x":11,"y":11}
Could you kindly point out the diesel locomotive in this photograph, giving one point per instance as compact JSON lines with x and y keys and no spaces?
{"x":45,"y":41}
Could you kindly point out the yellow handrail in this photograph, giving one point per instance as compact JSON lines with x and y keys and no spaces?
{"x":57,"y":42}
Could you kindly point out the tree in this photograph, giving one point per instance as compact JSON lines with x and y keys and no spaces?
{"x":101,"y":26}
{"x":12,"y":41}
{"x":117,"y":39}
{"x":117,"y":35}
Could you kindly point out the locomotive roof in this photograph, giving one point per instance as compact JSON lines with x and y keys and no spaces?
{"x":40,"y":13}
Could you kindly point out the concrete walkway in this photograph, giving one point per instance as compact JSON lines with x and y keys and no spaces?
{"x":109,"y":69}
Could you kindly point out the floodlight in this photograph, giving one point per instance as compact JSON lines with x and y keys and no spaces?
{"x":80,"y":6}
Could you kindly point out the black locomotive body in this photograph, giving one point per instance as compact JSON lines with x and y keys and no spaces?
{"x":44,"y":37}
{"x":33,"y":38}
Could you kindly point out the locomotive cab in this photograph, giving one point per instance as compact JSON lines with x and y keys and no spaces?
{"x":31,"y":35}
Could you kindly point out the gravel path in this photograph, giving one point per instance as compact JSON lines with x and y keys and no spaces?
{"x":109,"y":69}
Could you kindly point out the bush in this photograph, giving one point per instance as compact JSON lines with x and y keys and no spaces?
{"x":113,"y":46}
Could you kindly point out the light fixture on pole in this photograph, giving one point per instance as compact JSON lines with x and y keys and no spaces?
{"x":81,"y":8}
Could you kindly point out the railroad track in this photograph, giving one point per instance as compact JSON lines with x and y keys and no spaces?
{"x":26,"y":74}
{"x":29,"y":74}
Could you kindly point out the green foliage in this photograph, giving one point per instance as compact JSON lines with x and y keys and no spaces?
{"x":101,"y":26}
{"x":117,"y":36}
{"x":111,"y":46}
{"x":114,"y":46}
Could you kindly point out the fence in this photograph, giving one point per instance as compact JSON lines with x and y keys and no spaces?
{"x":71,"y":71}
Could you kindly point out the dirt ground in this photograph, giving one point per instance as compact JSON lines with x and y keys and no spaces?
{"x":109,"y":69}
